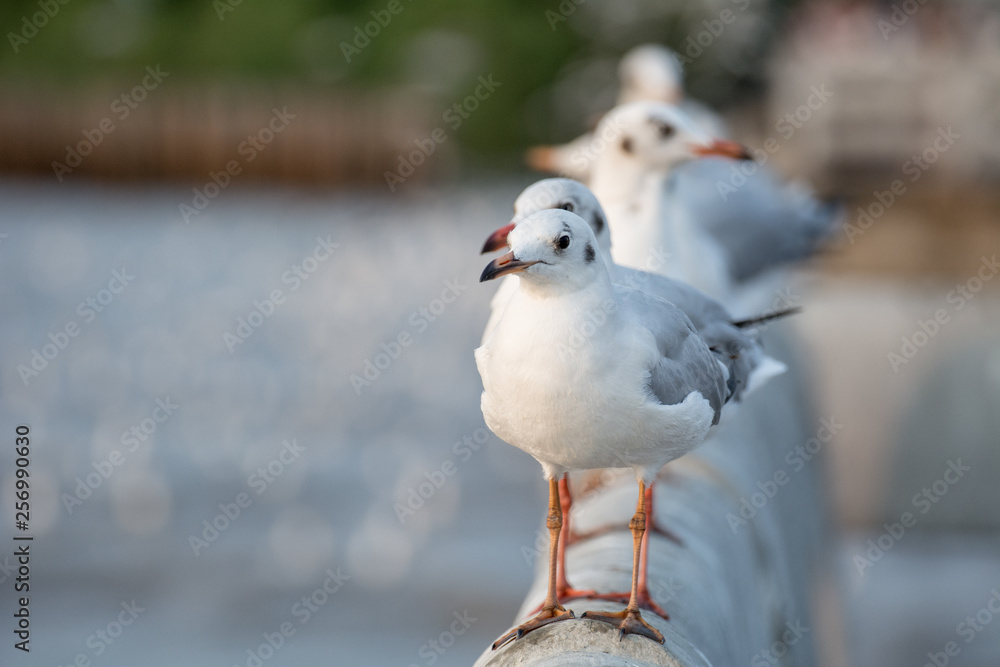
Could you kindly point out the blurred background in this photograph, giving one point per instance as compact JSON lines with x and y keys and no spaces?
{"x":238,"y":250}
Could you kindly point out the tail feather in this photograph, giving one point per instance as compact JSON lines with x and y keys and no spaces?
{"x":760,"y":319}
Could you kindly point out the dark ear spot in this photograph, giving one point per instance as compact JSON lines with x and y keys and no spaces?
{"x":627,"y":145}
{"x":589,"y":254}
{"x":665,"y":129}
{"x":598,"y":223}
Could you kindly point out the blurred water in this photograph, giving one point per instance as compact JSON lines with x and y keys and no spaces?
{"x":329,"y":508}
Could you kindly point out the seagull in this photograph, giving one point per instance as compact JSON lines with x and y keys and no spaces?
{"x":583,"y":375}
{"x":732,"y":342}
{"x":652,"y":72}
{"x":748,"y":366}
{"x":656,"y":202}
{"x":646,"y":72}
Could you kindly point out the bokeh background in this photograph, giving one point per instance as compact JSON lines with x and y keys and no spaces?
{"x":313,"y":115}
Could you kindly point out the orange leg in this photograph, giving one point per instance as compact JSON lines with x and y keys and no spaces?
{"x":651,"y":522}
{"x":629,"y":620}
{"x":643,"y":598}
{"x":571,"y":537}
{"x":551,"y":611}
{"x":564,"y":591}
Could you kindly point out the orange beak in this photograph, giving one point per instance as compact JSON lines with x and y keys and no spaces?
{"x":541,"y":158}
{"x":725,"y":148}
{"x":497,"y":239}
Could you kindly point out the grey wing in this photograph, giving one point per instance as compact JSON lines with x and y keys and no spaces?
{"x":686,"y":364}
{"x":737,"y":349}
{"x":761,"y":224}
{"x":701,"y":309}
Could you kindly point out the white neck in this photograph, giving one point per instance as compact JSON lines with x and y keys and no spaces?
{"x":597,"y":289}
{"x":616,"y":178}
{"x":639,"y":233}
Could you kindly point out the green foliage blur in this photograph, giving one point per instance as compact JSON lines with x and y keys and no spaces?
{"x":434,"y":47}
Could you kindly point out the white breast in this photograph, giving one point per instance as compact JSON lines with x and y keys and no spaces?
{"x":497,"y":305}
{"x":567,"y":384}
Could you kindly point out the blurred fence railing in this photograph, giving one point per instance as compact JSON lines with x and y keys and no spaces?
{"x":186,"y":131}
{"x":860,"y":116}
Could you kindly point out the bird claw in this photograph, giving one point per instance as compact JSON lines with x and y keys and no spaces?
{"x":567,"y":594}
{"x":628,"y":622}
{"x":545,"y":617}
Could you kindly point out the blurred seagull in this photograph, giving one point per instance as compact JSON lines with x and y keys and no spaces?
{"x":647,"y":72}
{"x":732,"y":342}
{"x":720,"y":245}
{"x":640,"y":390}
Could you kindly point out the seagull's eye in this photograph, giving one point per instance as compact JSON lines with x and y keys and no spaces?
{"x":564,"y":241}
{"x":567,"y":206}
{"x":666,"y":130}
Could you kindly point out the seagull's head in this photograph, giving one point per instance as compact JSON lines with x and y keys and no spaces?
{"x":551,"y":248}
{"x":660,"y":136}
{"x":553,"y":193}
{"x":651,"y":72}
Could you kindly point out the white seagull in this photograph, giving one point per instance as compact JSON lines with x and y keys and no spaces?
{"x":647,"y":72}
{"x":583,"y":375}
{"x":720,"y":245}
{"x":733,"y":342}
{"x":749,"y":367}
